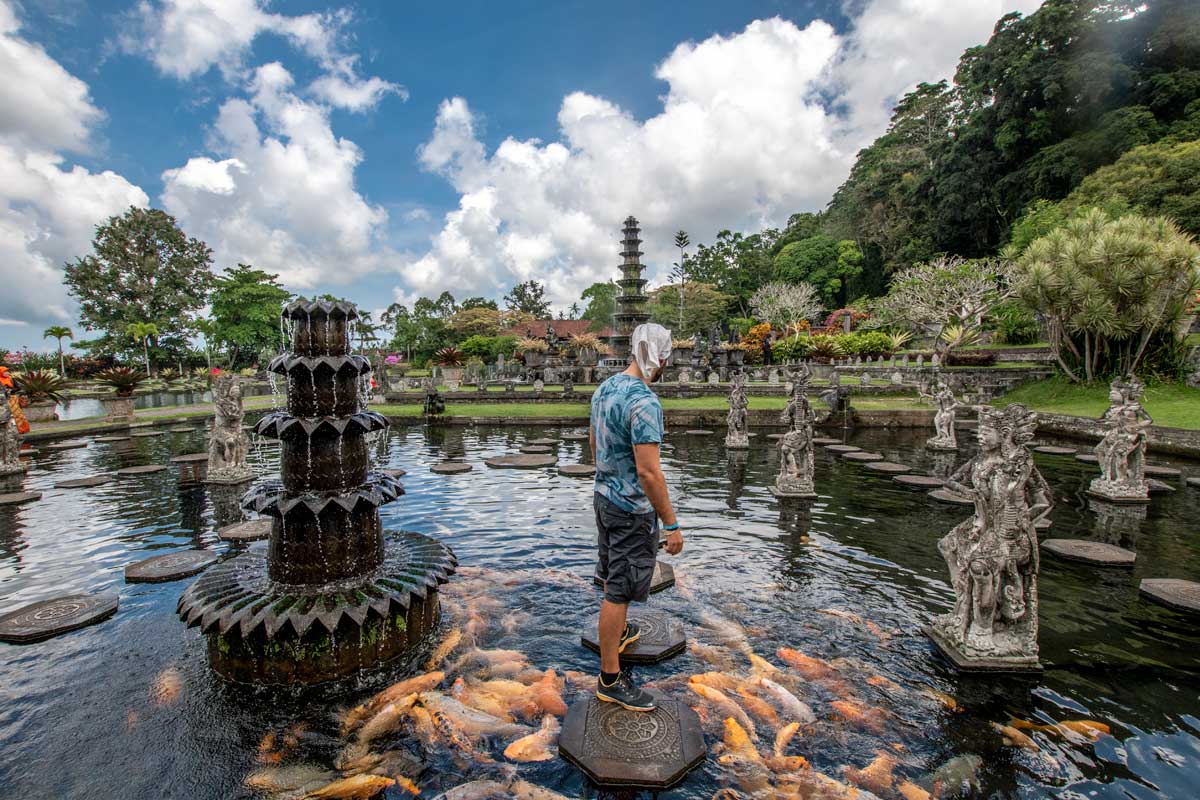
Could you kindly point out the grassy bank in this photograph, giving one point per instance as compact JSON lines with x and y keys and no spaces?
{"x":1172,"y":405}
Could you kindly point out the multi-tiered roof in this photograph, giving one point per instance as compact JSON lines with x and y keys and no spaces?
{"x":631,"y":302}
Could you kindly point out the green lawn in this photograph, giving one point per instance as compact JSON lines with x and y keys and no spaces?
{"x":1172,"y":405}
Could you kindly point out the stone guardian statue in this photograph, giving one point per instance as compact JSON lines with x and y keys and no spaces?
{"x":10,"y":438}
{"x":796,"y":461}
{"x":1122,"y":451}
{"x":738,"y":437}
{"x":228,"y":443}
{"x":993,"y":556}
{"x":945,"y":437}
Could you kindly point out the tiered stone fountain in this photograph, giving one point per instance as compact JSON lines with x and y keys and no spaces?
{"x":333,"y":593}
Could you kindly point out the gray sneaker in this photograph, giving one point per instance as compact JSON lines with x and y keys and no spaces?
{"x":625,"y":694}
{"x":631,"y":634}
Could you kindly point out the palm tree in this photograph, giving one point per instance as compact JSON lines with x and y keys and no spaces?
{"x":574,"y":310}
{"x":59,"y":332}
{"x":681,"y":241}
{"x":142,"y":331}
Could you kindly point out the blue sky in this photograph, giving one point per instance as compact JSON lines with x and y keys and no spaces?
{"x":385,"y":150}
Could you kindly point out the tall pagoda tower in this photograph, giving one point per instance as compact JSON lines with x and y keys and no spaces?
{"x":631,"y":302}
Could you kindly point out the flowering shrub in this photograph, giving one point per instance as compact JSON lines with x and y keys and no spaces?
{"x":835,"y":322}
{"x":752,"y":342}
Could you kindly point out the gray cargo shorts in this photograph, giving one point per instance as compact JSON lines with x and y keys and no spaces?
{"x":628,"y":546}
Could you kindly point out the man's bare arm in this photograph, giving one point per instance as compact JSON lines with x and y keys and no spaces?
{"x":654,"y":484}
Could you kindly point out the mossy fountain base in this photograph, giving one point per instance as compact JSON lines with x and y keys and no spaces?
{"x":263,"y":632}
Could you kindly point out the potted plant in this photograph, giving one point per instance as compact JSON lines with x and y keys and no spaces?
{"x":587,"y":345}
{"x":123,"y":381}
{"x":39,"y":391}
{"x":451,"y":360}
{"x":532,"y":351}
{"x":681,"y":352}
{"x":737,"y":353}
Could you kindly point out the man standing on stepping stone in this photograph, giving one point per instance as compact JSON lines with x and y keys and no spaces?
{"x":630,"y":498}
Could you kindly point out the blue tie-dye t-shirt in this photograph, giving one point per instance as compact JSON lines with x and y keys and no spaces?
{"x":624,"y":413}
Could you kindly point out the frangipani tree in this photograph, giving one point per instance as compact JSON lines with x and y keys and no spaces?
{"x":947,"y":293}
{"x":1109,"y":286}
{"x":786,"y":305}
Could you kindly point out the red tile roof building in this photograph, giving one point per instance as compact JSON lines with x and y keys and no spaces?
{"x":563,"y":328}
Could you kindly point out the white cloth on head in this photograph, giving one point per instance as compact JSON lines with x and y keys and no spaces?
{"x":651,"y":345}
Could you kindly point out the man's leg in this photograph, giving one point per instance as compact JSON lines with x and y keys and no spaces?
{"x":612,"y":625}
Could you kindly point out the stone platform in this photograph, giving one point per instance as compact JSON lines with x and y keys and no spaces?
{"x":1178,"y":594}
{"x":522,"y":461}
{"x":954,"y":498}
{"x":966,"y":664}
{"x":619,"y":749}
{"x":577,"y":470}
{"x":1089,"y":552}
{"x":84,"y":483}
{"x":792,"y":495}
{"x":919,"y":481}
{"x":451,"y":468}
{"x":890,"y":467}
{"x":49,"y":618}
{"x":170,"y":566}
{"x":662,"y":638}
{"x":251,"y":530}
{"x":662,"y":579}
{"x":1054,"y":450}
{"x":17,"y":498}
{"x":862,"y":455}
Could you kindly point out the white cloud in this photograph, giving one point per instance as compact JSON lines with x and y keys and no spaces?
{"x":748,"y":133}
{"x":187,"y":38}
{"x":48,"y":211}
{"x":281,"y":195}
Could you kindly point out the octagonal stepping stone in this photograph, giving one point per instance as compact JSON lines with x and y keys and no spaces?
{"x":536,"y":449}
{"x":890,"y":467}
{"x":862,"y":455}
{"x":67,"y":445}
{"x":135,"y":425}
{"x":17,"y":498}
{"x":84,"y":483}
{"x":1179,"y":594}
{"x":1089,"y":552}
{"x":451,"y":468}
{"x":1154,"y":486}
{"x":1055,"y":450}
{"x":112,"y":439}
{"x":251,"y":530}
{"x":919,"y":481}
{"x":842,"y":448}
{"x":190,"y":458}
{"x":662,"y":637}
{"x":170,"y":566}
{"x":147,"y":434}
{"x":1194,"y":482}
{"x":181,"y":429}
{"x":28,"y":451}
{"x":954,"y":498}
{"x":620,"y":749}
{"x":543,"y":442}
{"x":575,"y":437}
{"x":1087,"y":458}
{"x":698,"y":432}
{"x":824,"y":440}
{"x":1162,"y":472}
{"x":774,"y":436}
{"x":49,"y":618}
{"x":396,"y":472}
{"x":145,"y":469}
{"x":577,"y":470}
{"x":1042,"y":524}
{"x":523,"y":461}
{"x":663,"y":578}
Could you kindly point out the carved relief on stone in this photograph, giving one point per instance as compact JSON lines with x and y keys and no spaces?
{"x":796,"y":462}
{"x":228,"y":443}
{"x":993,"y":556}
{"x":945,"y":437}
{"x":10,"y":438}
{"x":1122,"y":451}
{"x":738,"y":437}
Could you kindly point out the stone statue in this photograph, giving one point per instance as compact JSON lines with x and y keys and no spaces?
{"x":865,"y":379}
{"x":993,"y":556}
{"x":435,"y":404}
{"x":835,"y":378}
{"x":10,"y":438}
{"x":228,"y":443}
{"x":1122,"y":451}
{"x":539,"y":386}
{"x":796,"y":462}
{"x":551,"y":336}
{"x":944,"y":437}
{"x":738,"y":437}
{"x":685,"y":376}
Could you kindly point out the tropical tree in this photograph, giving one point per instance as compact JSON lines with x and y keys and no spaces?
{"x":786,"y":305}
{"x":245,"y":305}
{"x":826,"y":263}
{"x":59,"y":332}
{"x":705,"y":307}
{"x":143,"y":268}
{"x":1110,"y":288}
{"x":529,"y":297}
{"x":141,"y":332}
{"x":601,"y":301}
{"x":477,"y":321}
{"x":574,"y":310}
{"x":679,"y":271}
{"x":479,"y":302}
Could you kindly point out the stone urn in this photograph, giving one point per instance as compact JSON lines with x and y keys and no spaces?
{"x":736,"y":356}
{"x":453,"y":374}
{"x":532,"y":358}
{"x":41,"y":412}
{"x":587,"y":357}
{"x":118,"y":409}
{"x":681,"y":357}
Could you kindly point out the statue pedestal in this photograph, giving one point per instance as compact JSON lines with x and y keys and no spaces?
{"x":229,"y":477}
{"x":1121,"y":494}
{"x":965,"y":663}
{"x":940,"y":445}
{"x":737,"y":441}
{"x":793,"y":494}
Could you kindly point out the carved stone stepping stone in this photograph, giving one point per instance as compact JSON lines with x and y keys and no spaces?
{"x":16,"y":498}
{"x":825,"y":440}
{"x":621,"y":749}
{"x":146,"y":469}
{"x":890,"y":467}
{"x":451,"y":468}
{"x":1194,"y":482}
{"x":841,"y":448}
{"x":113,"y":439}
{"x":76,"y":445}
{"x":774,"y":436}
{"x":1089,"y":552}
{"x":147,"y":434}
{"x":577,"y":470}
{"x":575,"y":437}
{"x":1042,"y":524}
{"x":663,"y":578}
{"x":1055,"y":450}
{"x":49,"y":618}
{"x":1158,"y":487}
{"x":84,"y":483}
{"x":954,"y":498}
{"x":1162,"y":472}
{"x":169,"y":567}
{"x":135,"y":425}
{"x":396,"y":472}
{"x":28,"y":452}
{"x":919,"y":481}
{"x":543,"y":442}
{"x":698,"y":432}
{"x":1173,"y":592}
{"x":1087,"y":458}
{"x":181,"y":429}
{"x":662,"y":637}
{"x":524,"y":461}
{"x":536,"y":449}
{"x":251,"y":530}
{"x":862,"y":455}
{"x":190,"y":458}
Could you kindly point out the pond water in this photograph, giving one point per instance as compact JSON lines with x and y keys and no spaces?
{"x":129,"y":708}
{"x":84,"y":407}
